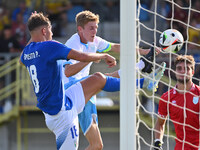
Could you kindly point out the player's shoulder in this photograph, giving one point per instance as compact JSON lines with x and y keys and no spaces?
{"x":52,"y":45}
{"x":52,"y":42}
{"x":74,"y":38}
{"x":197,"y":88}
{"x":100,"y":42}
{"x":74,"y":41}
{"x":98,"y":39}
{"x":166,"y":94}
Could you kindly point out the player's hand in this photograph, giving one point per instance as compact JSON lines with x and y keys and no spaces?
{"x":143,"y":51}
{"x":110,"y":61}
{"x":158,"y":145}
{"x":157,"y":50}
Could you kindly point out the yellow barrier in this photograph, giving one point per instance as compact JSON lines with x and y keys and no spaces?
{"x":11,"y":88}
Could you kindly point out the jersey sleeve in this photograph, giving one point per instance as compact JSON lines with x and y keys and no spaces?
{"x":74,"y":44}
{"x":119,"y":72}
{"x":22,"y":57}
{"x":103,"y":45}
{"x":57,"y":50}
{"x":162,"y":108}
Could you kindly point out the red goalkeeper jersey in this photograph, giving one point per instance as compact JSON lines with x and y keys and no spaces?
{"x":184,"y":111}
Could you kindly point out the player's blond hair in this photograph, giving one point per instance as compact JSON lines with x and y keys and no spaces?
{"x":86,"y":16}
{"x":189,"y":59}
{"x":36,"y":20}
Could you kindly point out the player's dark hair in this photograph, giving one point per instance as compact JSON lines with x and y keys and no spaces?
{"x":37,"y":20}
{"x":188,"y":59}
{"x":84,"y":17}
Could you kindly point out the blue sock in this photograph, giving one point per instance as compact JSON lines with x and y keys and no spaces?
{"x":112,"y":84}
{"x":141,"y":82}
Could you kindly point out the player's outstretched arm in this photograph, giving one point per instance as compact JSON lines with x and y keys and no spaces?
{"x":115,"y":47}
{"x":88,"y":57}
{"x":159,"y":132}
{"x":72,"y":69}
{"x":146,"y":51}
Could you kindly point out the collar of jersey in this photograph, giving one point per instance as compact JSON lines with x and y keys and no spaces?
{"x":192,"y":88}
{"x":86,"y":45}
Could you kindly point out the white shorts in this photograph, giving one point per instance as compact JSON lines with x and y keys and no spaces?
{"x":65,"y":124}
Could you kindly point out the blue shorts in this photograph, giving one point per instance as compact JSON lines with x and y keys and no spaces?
{"x":89,"y":113}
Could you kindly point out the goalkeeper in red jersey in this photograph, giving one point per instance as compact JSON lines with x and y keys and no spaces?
{"x":183,"y":105}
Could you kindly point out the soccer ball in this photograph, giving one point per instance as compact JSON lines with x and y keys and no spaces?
{"x":171,"y":41}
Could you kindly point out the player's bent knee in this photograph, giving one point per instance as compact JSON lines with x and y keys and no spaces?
{"x":99,"y":146}
{"x":96,"y":146}
{"x":99,"y":77}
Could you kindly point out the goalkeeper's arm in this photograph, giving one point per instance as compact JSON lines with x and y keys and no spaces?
{"x":159,"y":132}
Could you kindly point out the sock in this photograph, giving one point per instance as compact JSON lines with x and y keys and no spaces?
{"x":112,"y":84}
{"x":140,"y":82}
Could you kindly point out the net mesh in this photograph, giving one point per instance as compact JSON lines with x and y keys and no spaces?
{"x":153,"y":17}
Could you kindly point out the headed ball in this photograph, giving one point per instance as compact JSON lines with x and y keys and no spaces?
{"x":171,"y":41}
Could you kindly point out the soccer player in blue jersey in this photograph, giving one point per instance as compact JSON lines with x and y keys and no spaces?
{"x":85,"y":40}
{"x":61,"y":108}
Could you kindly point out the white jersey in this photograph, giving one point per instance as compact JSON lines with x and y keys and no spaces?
{"x":98,"y":45}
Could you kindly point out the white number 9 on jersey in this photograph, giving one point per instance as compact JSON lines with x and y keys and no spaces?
{"x":33,"y":73}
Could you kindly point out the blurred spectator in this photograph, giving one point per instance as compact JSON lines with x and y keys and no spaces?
{"x":55,"y":10}
{"x":8,"y":43}
{"x":19,"y":30}
{"x":4,"y":18}
{"x":63,"y":24}
{"x":75,"y":9}
{"x":164,"y":8}
{"x":195,"y":14}
{"x":186,"y":3}
{"x":144,"y":15}
{"x":194,"y":35}
{"x":24,"y":10}
{"x":180,"y":16}
{"x":111,"y":11}
{"x":96,"y":7}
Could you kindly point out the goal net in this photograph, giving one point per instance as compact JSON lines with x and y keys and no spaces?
{"x":153,"y":17}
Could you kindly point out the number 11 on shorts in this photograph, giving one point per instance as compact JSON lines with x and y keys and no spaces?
{"x":74,"y":132}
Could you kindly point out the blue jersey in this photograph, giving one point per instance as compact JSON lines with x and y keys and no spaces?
{"x":40,"y":59}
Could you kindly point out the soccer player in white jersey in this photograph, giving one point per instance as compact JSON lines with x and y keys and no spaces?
{"x":61,"y":108}
{"x":85,"y":40}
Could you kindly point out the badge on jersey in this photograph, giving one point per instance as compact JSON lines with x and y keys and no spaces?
{"x":195,"y":100}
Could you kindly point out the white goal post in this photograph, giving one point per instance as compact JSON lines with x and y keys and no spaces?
{"x":128,"y":75}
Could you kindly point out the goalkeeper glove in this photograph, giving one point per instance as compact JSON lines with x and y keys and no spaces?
{"x":158,"y":144}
